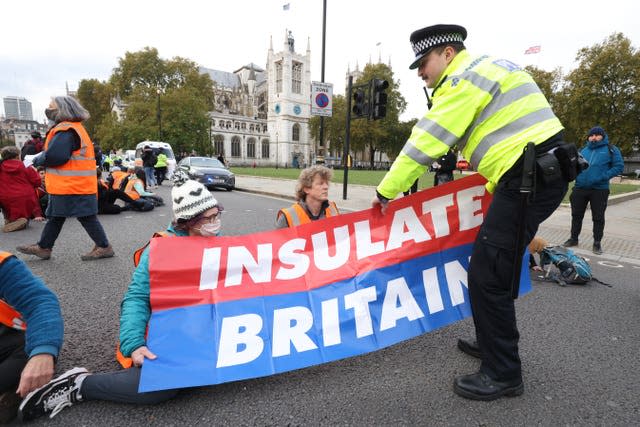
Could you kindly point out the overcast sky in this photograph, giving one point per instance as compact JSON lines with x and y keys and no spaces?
{"x":44,"y":46}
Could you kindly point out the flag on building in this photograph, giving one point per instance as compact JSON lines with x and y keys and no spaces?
{"x":286,"y":6}
{"x":532,"y":49}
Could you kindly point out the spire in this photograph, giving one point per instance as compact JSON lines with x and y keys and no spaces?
{"x":271,"y":42}
{"x":389,"y":61}
{"x":369,"y":59}
{"x":308,"y":45}
{"x":379,"y":57}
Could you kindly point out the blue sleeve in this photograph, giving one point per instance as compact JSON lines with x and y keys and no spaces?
{"x":135,"y":309}
{"x":140,"y":189}
{"x":617,"y":164}
{"x":60,"y":148}
{"x":37,"y":304}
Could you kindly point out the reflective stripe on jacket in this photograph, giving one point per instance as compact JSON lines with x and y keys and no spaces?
{"x":8,"y":315}
{"x":297,"y":215}
{"x":489,"y":107}
{"x":131,"y":192}
{"x":78,"y":175}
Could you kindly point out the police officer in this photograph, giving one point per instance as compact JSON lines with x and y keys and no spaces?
{"x":491,"y":109}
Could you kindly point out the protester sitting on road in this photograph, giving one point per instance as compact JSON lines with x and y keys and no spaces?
{"x":71,"y":181}
{"x":18,"y":200}
{"x":30,"y":333}
{"x":312,"y":199}
{"x":195,"y":213}
{"x":41,"y":191}
{"x":135,"y":189}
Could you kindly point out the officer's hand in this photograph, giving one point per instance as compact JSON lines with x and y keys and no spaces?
{"x":383,"y":206}
{"x":140,"y":353}
{"x":37,"y":372}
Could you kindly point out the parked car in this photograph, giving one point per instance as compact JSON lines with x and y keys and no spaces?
{"x":210,"y":172}
{"x":462,"y":165}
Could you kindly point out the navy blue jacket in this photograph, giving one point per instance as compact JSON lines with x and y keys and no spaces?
{"x":605,"y":162}
{"x":37,"y":304}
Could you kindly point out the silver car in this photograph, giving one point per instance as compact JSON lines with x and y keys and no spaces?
{"x":210,"y":172}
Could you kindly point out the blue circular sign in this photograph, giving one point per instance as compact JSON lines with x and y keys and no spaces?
{"x":322,"y":100}
{"x":277,"y":109}
{"x":297,"y":109}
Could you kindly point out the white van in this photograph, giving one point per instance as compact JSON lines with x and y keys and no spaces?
{"x":159,"y":147}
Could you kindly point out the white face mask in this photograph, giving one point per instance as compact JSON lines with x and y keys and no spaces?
{"x":211,"y":228}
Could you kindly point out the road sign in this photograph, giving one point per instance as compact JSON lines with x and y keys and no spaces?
{"x":321,"y":99}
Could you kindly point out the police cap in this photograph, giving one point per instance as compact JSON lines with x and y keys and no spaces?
{"x":425,"y":39}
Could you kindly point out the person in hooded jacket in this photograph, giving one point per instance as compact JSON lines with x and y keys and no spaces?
{"x":592,"y":186}
{"x":18,"y":185}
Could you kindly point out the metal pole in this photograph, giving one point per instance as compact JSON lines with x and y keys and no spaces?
{"x":345,"y":156}
{"x":159,"y":118}
{"x":324,"y":36}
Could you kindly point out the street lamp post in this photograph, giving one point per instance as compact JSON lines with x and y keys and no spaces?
{"x":277,"y":149}
{"x":159,"y":113}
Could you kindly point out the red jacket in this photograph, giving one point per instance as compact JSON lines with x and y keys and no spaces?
{"x":18,"y":190}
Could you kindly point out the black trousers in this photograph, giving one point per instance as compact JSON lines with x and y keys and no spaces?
{"x":12,"y":358}
{"x":598,"y":201}
{"x":491,"y":268}
{"x":121,"y":386}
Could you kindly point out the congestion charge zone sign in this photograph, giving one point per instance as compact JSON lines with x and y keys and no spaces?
{"x":321,"y":99}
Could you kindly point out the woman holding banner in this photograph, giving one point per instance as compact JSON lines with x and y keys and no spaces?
{"x":196,"y":213}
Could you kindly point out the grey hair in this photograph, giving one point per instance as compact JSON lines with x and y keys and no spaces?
{"x":69,"y":110}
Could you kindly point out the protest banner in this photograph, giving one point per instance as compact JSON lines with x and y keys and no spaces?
{"x":238,"y":307}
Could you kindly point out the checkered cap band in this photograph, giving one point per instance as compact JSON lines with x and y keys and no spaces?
{"x":421,"y":46}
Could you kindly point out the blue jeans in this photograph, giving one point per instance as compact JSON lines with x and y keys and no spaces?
{"x":150,"y":173}
{"x":90,"y":223}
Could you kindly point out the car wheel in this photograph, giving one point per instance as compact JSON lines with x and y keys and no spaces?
{"x":229,"y":188}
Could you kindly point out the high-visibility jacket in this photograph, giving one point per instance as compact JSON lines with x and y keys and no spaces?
{"x":489,"y":107}
{"x":124,"y":361}
{"x":297,"y":215}
{"x":161,"y":161}
{"x":131,"y":192}
{"x":78,"y":175}
{"x":8,"y":315}
{"x":118,"y":176}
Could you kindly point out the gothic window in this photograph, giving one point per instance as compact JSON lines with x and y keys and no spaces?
{"x":228,"y":125}
{"x":250,"y":128}
{"x":265,"y":148}
{"x":243,"y":126}
{"x":295,"y":134}
{"x":213,"y":123}
{"x":296,"y":80}
{"x":235,"y":146}
{"x":279,"y":76}
{"x":237,"y":126}
{"x":218,"y":144}
{"x":264,"y":128}
{"x":251,"y":148}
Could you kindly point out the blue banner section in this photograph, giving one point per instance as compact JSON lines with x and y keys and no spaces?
{"x":262,"y":336}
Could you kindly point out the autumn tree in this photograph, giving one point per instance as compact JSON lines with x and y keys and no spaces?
{"x":95,"y":96}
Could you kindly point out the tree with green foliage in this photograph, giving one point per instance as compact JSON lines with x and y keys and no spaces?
{"x":334,"y":126}
{"x":172,"y":92}
{"x":95,"y":96}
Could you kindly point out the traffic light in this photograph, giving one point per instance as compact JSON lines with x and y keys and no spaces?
{"x":359,"y":105}
{"x":378,"y":98}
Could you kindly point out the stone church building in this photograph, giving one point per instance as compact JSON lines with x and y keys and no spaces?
{"x":261,"y":116}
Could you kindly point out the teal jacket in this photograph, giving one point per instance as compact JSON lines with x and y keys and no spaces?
{"x":605,"y":162}
{"x":135,"y":309}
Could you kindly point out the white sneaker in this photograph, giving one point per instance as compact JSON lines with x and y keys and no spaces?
{"x":53,"y":397}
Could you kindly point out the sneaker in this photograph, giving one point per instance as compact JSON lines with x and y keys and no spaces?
{"x":35,"y":250}
{"x":53,"y":397}
{"x":597,"y":248}
{"x":18,"y":224}
{"x":570,"y":242}
{"x":98,"y":252}
{"x":9,"y":402}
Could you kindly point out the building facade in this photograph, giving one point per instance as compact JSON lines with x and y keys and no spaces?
{"x":261,"y":116}
{"x":17,"y":108}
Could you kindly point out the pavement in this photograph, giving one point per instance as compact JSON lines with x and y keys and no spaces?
{"x":621,"y":242}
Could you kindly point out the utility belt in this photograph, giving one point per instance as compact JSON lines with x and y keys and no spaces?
{"x":562,"y":161}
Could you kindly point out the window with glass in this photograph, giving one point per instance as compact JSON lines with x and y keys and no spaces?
{"x":218,"y":144}
{"x":251,"y":148}
{"x":296,"y":77}
{"x":295,"y":134}
{"x":279,"y":76}
{"x":265,"y":148}
{"x":235,"y":146}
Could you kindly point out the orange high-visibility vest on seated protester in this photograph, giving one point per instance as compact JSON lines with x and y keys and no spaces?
{"x":131,"y":192}
{"x":78,"y":175}
{"x":8,"y":315}
{"x":118,"y":177}
{"x":124,"y":361}
{"x":297,"y":215}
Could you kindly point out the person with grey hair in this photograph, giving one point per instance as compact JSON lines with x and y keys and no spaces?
{"x":312,"y":199}
{"x":70,"y":179}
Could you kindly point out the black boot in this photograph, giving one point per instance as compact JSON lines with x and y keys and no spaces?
{"x":470,"y":347}
{"x":480,"y":386}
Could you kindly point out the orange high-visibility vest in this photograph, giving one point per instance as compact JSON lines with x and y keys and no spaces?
{"x":131,"y":192}
{"x":78,"y":175}
{"x":118,"y":176}
{"x":297,"y":215}
{"x":8,"y":315}
{"x":124,"y":361}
